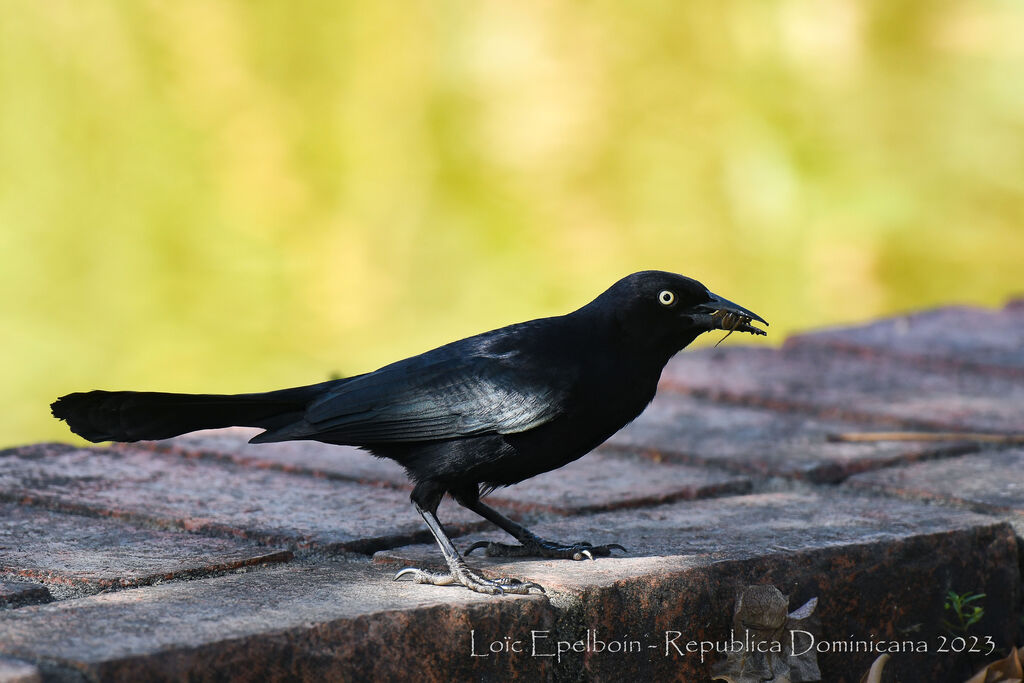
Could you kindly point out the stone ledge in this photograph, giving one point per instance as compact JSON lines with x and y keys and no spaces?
{"x":90,"y":554}
{"x":679,"y":428}
{"x":991,"y":482}
{"x":215,"y":498}
{"x":604,"y":480}
{"x":954,"y":337}
{"x":301,"y":457}
{"x":839,"y":386}
{"x":330,"y":622}
{"x":738,"y":527}
{"x":875,"y":567}
{"x":879,"y":567}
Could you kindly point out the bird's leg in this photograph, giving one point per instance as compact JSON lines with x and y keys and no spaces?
{"x":458,"y":571}
{"x":532,"y":545}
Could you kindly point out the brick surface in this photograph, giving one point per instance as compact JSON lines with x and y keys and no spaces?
{"x":738,"y":527}
{"x":991,"y":482}
{"x":340,"y":621}
{"x":216,"y":497}
{"x":14,"y":671}
{"x":605,"y":480}
{"x":681,"y":428}
{"x":598,"y":481}
{"x":957,"y":336}
{"x":842,"y":386}
{"x":307,"y":457}
{"x":880,"y":568}
{"x":20,"y":593}
{"x":74,"y":550}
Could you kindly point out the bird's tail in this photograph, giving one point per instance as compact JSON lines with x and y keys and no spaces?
{"x":134,"y":415}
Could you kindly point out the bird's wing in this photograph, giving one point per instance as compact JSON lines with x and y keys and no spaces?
{"x":435,"y":396}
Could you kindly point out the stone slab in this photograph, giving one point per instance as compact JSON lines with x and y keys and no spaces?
{"x":609,"y":480}
{"x":304,"y":457}
{"x":839,"y":386}
{"x":737,"y":527}
{"x":338,"y":621}
{"x":217,"y":498}
{"x":980,"y":339}
{"x":602,"y":480}
{"x":679,"y":428}
{"x":877,"y":569}
{"x":991,"y":482}
{"x":21,"y":593}
{"x":880,"y":568}
{"x":57,"y":548}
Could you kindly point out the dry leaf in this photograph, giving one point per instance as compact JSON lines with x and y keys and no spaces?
{"x":1006,"y":670}
{"x":874,"y":674}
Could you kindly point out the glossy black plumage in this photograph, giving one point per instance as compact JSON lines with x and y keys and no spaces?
{"x":481,"y":412}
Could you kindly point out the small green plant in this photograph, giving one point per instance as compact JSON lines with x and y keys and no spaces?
{"x":964,"y":614}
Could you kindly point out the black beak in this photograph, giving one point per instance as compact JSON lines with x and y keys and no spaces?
{"x":717,"y":303}
{"x":722,"y":314}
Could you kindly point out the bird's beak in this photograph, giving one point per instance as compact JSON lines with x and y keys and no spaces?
{"x":722,"y":314}
{"x":717,"y":303}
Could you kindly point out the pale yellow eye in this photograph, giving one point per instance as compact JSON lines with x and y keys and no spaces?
{"x":666,"y":297}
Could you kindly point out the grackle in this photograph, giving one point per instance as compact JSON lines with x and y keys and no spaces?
{"x":479,"y":413}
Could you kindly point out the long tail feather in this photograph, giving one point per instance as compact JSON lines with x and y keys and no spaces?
{"x":134,"y":415}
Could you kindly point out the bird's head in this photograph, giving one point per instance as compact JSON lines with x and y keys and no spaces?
{"x":666,"y":311}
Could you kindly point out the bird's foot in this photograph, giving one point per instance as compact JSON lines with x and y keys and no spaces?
{"x":464,"y":576}
{"x":541,"y":548}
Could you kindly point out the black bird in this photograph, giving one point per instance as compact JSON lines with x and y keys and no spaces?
{"x":465,"y":418}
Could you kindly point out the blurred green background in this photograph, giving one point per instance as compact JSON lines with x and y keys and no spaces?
{"x":235,"y":196}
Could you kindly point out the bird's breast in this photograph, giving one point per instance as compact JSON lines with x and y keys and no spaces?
{"x":592,"y":413}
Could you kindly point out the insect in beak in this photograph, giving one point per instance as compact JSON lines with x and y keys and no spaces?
{"x":725,"y":315}
{"x":730,"y":321}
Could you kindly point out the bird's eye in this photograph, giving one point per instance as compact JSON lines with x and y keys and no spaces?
{"x":666,"y":298}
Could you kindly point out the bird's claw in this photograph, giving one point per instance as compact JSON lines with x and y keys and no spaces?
{"x":546,"y":549}
{"x":464,"y":576}
{"x":424,"y":576}
{"x":475,"y":546}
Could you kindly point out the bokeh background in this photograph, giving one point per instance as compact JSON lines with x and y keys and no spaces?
{"x":206,"y":195}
